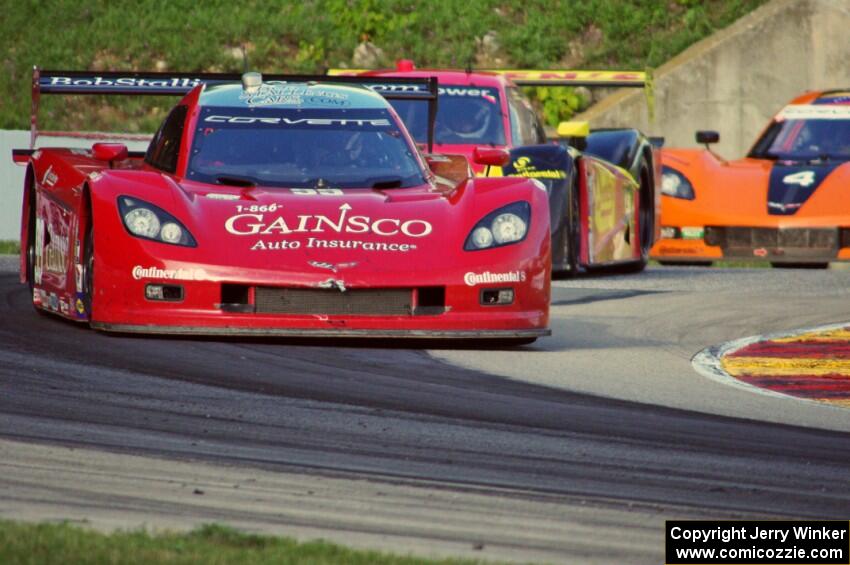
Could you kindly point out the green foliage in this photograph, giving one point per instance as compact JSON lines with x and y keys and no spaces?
{"x":8,"y":247}
{"x":47,"y":544}
{"x":556,"y":104}
{"x":309,"y":36}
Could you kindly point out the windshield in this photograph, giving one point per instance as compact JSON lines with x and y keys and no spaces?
{"x":302,"y":148}
{"x":805,"y":135}
{"x":466,"y":115}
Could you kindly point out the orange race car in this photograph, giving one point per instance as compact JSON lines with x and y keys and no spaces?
{"x":785,"y":202}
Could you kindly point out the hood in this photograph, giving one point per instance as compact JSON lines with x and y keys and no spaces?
{"x":791,"y":184}
{"x":763,"y":192}
{"x":328,"y":229}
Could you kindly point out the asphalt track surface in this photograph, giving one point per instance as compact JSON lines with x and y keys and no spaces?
{"x":399,"y":416}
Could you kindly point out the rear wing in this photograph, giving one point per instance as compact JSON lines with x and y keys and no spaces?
{"x":528,"y":77}
{"x":178,"y":84}
{"x":590,"y":79}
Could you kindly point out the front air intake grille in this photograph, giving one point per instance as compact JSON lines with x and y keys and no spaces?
{"x":789,"y":242}
{"x":333,"y":302}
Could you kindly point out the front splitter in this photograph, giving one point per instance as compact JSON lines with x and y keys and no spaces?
{"x":339,"y":333}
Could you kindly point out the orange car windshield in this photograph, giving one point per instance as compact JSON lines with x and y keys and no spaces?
{"x":806,"y":140}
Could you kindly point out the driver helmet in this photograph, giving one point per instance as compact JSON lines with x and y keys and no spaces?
{"x":473,"y":119}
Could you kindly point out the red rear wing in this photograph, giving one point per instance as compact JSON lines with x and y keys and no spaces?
{"x":178,"y":84}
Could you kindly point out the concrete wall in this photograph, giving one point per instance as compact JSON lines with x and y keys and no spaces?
{"x":12,"y":175}
{"x":11,"y":183}
{"x":735,"y":80}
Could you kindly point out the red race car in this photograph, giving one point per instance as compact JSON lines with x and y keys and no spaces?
{"x":280,"y":205}
{"x":604,"y":190}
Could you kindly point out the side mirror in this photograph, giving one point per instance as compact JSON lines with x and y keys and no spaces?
{"x":454,"y":168}
{"x":574,"y":133}
{"x":109,"y":152}
{"x":708,"y":136}
{"x":490,"y":156}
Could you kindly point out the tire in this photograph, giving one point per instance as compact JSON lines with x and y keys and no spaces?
{"x":88,"y":268}
{"x":30,"y":254}
{"x":572,"y":241}
{"x":645,"y":219}
{"x":799,"y":265}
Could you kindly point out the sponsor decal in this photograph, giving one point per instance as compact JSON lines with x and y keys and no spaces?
{"x":677,"y":250}
{"x":56,"y":254}
{"x":814,"y":112}
{"x":760,"y":252}
{"x":790,"y":186}
{"x":80,"y":306}
{"x":472,"y":279}
{"x":523,"y":167}
{"x":78,"y":277}
{"x":140,"y":273}
{"x":276,"y":93}
{"x":64,"y":307}
{"x":261,"y":224}
{"x":488,"y":94}
{"x":397,"y":88}
{"x":276,"y":121}
{"x":315,"y":243}
{"x":692,"y":233}
{"x":125,"y":82}
{"x":53,"y":302}
{"x":50,"y":178}
{"x":331,"y":266}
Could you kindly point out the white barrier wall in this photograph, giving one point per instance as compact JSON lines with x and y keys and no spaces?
{"x":11,"y":183}
{"x":12,"y":175}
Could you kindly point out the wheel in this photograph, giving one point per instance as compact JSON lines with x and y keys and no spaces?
{"x":799,"y":265}
{"x":645,"y":219}
{"x":30,"y":254}
{"x":572,"y":241}
{"x":88,"y":268}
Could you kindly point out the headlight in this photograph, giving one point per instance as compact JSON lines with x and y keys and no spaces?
{"x":147,"y":221}
{"x":675,"y":184}
{"x":504,"y":226}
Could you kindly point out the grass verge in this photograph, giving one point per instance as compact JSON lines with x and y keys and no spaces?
{"x":9,"y":247}
{"x":46,"y":544}
{"x":184,"y":35}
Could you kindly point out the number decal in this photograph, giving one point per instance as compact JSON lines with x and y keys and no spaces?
{"x":803,"y":178}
